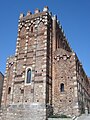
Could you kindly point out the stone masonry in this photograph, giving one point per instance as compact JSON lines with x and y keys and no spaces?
{"x":44,"y":76}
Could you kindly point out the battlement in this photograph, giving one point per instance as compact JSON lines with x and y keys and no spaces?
{"x":36,"y":13}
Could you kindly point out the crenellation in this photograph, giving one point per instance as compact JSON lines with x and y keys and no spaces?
{"x":29,"y":13}
{"x":46,"y":9}
{"x":21,"y":15}
{"x":37,"y":11}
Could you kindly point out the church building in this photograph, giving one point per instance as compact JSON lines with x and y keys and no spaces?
{"x":45,"y":76}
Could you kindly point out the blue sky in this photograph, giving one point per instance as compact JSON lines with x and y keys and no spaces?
{"x":74,"y":15}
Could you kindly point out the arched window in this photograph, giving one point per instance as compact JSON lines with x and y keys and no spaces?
{"x":9,"y":90}
{"x":28,"y":77}
{"x":62,"y":87}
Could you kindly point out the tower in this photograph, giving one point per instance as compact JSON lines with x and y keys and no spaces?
{"x":27,"y":78}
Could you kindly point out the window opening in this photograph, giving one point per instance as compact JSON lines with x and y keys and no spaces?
{"x":31,"y":29}
{"x":22,"y":91}
{"x":62,"y":87}
{"x":9,"y":90}
{"x":28,"y":80}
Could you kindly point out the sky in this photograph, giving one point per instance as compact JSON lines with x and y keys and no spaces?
{"x":74,"y":16}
